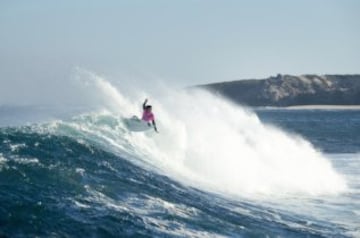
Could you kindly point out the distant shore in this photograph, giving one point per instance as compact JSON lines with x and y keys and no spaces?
{"x":293,"y":92}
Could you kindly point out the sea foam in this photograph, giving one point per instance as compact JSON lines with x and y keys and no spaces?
{"x":211,"y":143}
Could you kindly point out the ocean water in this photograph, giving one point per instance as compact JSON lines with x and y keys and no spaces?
{"x":214,"y":170}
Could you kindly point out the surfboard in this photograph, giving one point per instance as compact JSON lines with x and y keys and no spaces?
{"x":136,"y":125}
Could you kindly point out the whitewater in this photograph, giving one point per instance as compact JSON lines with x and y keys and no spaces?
{"x":216,"y":169}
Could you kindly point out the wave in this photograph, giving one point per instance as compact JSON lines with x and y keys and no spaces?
{"x":206,"y":142}
{"x":55,"y":185}
{"x":87,"y":174}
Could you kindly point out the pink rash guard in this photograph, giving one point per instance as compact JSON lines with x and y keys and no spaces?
{"x":148,"y":116}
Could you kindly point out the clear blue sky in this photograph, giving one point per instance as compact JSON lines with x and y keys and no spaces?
{"x":181,"y":42}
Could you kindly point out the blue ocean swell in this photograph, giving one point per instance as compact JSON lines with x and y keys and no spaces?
{"x":57,"y":186}
{"x":332,"y":131}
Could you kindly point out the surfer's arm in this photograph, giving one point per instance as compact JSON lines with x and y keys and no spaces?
{"x":144,"y":104}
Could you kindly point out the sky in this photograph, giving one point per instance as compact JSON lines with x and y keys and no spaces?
{"x":179,"y":43}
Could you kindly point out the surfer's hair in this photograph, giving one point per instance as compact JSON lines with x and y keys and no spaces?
{"x":148,"y":107}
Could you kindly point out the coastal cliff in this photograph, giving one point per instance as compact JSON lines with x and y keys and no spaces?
{"x":289,"y":90}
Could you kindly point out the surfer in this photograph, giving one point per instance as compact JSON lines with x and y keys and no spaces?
{"x":148,"y":116}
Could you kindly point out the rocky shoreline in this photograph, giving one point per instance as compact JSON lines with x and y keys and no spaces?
{"x":289,"y":90}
